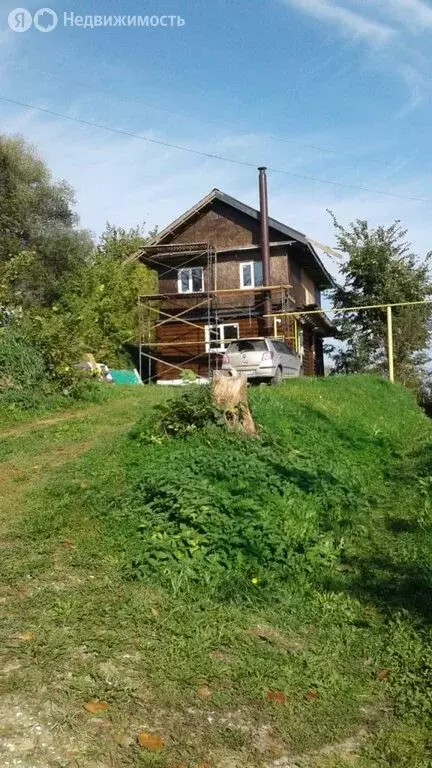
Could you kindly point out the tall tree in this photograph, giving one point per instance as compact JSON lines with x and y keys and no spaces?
{"x":380,"y":268}
{"x":40,"y":242}
{"x":101,"y":299}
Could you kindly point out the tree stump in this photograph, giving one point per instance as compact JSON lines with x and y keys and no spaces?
{"x":229,"y":395}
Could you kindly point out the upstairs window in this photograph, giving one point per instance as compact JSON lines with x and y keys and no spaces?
{"x":251,"y":274}
{"x":190,"y":280}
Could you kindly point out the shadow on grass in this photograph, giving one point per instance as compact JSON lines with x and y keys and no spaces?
{"x":391,"y":586}
{"x":397,"y":573}
{"x":392,"y":568}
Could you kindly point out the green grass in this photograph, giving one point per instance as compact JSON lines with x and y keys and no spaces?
{"x":191,"y":654}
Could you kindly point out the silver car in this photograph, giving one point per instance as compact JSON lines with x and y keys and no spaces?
{"x":262,"y":359}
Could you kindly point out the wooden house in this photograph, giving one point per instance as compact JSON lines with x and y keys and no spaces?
{"x":226,"y":271}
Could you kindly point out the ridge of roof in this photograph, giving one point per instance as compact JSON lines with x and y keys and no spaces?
{"x":217,"y":194}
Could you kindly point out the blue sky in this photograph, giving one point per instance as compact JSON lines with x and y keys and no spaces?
{"x":335,"y":89}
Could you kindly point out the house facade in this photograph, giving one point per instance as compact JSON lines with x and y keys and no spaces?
{"x":215,"y":285}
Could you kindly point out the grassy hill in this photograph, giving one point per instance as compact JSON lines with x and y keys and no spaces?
{"x":244,"y":602}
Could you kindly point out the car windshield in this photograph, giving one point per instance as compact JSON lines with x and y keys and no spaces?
{"x":248,"y":345}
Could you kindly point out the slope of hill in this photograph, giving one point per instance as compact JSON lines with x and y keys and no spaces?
{"x":241,"y":602}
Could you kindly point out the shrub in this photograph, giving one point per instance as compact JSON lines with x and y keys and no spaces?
{"x":190,"y":411}
{"x":26,"y":379}
{"x":22,"y":366}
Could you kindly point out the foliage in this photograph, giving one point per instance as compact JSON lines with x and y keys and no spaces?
{"x":21,"y":365}
{"x":96,"y":311}
{"x":101,"y":300}
{"x":188,"y":376}
{"x":39,"y":241}
{"x":65,"y":295}
{"x":33,"y":377}
{"x":211,"y":501}
{"x":183,"y":415}
{"x":381,"y":269}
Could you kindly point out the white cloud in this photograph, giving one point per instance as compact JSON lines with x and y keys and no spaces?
{"x":122,"y":179}
{"x":414,"y":14}
{"x":354,"y":24}
{"x":417,"y":86}
{"x":387,"y":27}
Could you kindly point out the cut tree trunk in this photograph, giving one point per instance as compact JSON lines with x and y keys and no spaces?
{"x":229,"y":395}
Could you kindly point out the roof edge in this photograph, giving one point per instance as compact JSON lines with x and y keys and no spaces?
{"x":217,"y":194}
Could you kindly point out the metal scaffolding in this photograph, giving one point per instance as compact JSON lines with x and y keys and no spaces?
{"x":206,"y":307}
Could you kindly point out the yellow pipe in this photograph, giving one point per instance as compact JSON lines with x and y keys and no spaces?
{"x":297,"y":335}
{"x":390,"y":343}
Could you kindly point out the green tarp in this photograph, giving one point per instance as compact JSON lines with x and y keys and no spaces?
{"x":125,"y":377}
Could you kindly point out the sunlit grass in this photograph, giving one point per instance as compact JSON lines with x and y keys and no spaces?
{"x":194,"y":661}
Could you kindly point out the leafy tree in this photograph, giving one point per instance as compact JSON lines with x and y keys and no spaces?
{"x":40,"y":243}
{"x":60,"y":291}
{"x":380,"y":269}
{"x":99,"y":304}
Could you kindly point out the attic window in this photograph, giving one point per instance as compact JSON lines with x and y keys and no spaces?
{"x":190,"y":280}
{"x":251,"y":275}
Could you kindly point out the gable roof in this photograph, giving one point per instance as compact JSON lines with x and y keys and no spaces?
{"x":314,"y":260}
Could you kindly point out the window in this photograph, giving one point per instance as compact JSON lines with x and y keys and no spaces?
{"x":249,"y":345}
{"x":251,"y":274}
{"x":219,"y":336}
{"x":190,"y":280}
{"x":282,"y":347}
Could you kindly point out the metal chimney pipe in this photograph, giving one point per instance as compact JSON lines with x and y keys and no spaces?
{"x":265,"y":246}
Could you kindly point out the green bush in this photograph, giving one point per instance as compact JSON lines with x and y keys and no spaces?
{"x":22,"y":366}
{"x":190,"y":411}
{"x":26,"y":380}
{"x":217,"y":500}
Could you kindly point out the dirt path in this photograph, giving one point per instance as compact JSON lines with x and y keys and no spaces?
{"x":34,"y":459}
{"x":29,"y":426}
{"x":28,"y":736}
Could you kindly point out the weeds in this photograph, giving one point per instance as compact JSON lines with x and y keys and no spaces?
{"x":183,"y":415}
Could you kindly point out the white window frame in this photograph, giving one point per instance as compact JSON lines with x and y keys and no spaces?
{"x":190,"y":286}
{"x":219,"y":345}
{"x":250,"y":264}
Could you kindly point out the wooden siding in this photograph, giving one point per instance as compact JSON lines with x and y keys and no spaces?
{"x":313,"y":360}
{"x":309,"y":351}
{"x":182,"y":350}
{"x":309,"y":287}
{"x":223,"y":227}
{"x":227,"y":270}
{"x":295,"y":280}
{"x":228,"y":267}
